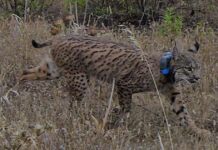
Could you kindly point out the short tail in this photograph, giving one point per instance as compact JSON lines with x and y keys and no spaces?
{"x":40,"y":45}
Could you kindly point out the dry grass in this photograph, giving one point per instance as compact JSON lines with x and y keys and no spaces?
{"x":35,"y":114}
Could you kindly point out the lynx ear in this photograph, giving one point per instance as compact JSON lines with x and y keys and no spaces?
{"x":195,"y":47}
{"x":175,"y":51}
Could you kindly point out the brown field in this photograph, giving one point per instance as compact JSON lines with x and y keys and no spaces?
{"x":35,"y":114}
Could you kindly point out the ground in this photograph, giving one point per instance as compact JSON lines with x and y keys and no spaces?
{"x":35,"y":114}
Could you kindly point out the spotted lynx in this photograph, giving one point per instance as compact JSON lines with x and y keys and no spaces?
{"x":80,"y":57}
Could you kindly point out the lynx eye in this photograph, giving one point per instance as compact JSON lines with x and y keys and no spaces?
{"x":189,"y":68}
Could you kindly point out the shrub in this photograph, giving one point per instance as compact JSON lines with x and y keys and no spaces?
{"x":172,"y":23}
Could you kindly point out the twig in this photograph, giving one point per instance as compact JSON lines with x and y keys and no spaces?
{"x":5,"y":97}
{"x":158,"y":93}
{"x":100,"y":124}
{"x":161,"y":103}
{"x":19,"y":21}
{"x":161,"y":144}
{"x":109,"y":104}
{"x":84,"y":19}
{"x":89,"y":20}
{"x":76,"y":11}
{"x":140,"y":22}
{"x":25,"y":10}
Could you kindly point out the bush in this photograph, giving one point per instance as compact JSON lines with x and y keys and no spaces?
{"x":172,"y":23}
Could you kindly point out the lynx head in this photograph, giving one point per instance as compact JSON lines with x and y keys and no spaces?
{"x":186,"y":67}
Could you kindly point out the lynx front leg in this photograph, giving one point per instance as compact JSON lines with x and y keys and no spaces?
{"x":180,"y":110}
{"x":120,"y":116}
{"x":77,"y":84}
{"x":125,"y":99}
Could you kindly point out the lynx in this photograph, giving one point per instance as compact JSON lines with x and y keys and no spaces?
{"x":78,"y":58}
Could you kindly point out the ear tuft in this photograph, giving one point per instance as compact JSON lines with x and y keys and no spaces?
{"x":195,"y":47}
{"x":175,"y":51}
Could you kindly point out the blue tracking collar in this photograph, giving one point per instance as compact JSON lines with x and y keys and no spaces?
{"x":165,"y":66}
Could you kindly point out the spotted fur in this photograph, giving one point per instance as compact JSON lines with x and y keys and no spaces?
{"x":80,"y":57}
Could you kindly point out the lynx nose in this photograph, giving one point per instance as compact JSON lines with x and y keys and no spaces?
{"x":197,"y":78}
{"x":194,"y":79}
{"x":25,"y":72}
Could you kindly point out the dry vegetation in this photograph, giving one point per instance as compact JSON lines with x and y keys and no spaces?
{"x":35,"y":114}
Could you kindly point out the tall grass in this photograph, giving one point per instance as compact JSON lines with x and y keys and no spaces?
{"x":38,"y":116}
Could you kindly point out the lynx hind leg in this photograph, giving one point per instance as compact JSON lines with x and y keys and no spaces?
{"x":77,"y":84}
{"x":185,"y":119}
